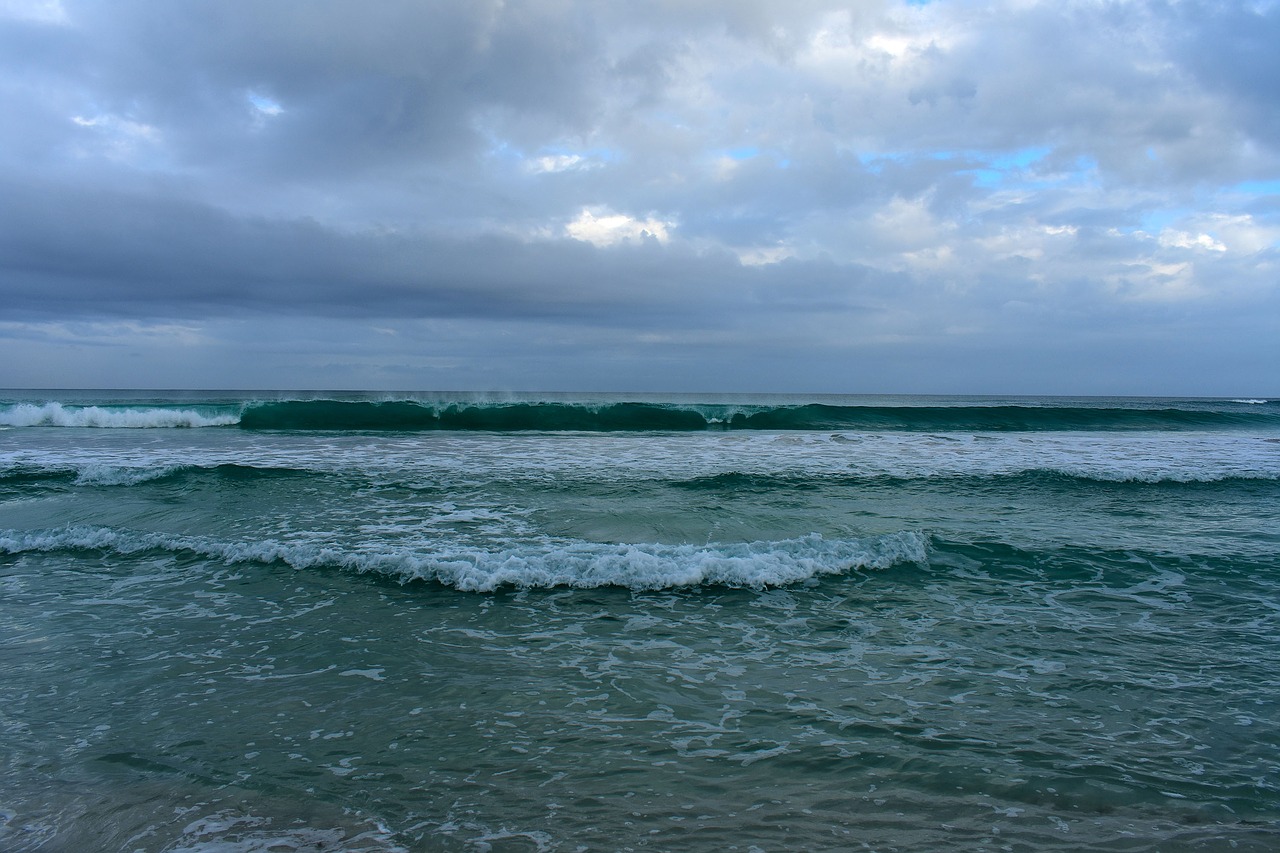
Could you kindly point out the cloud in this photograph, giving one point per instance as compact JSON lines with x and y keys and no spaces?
{"x":603,"y":228}
{"x":765,"y":189}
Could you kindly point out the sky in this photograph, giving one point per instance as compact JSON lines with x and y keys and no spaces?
{"x":868,"y":196}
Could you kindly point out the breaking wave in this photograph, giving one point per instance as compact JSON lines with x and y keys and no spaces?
{"x":109,"y":417}
{"x":573,"y":563}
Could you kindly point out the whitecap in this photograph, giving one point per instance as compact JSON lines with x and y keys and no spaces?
{"x":58,"y":415}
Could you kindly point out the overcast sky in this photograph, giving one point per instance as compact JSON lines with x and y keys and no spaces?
{"x":1075,"y":196}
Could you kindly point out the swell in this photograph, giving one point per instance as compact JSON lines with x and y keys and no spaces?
{"x":541,"y":564}
{"x":415,"y":416}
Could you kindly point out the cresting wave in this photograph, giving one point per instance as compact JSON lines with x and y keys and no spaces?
{"x":109,"y":417}
{"x":538,"y":565}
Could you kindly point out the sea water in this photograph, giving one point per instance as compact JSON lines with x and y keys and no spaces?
{"x":323,"y":622}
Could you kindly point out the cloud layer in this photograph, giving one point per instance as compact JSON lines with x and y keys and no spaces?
{"x":1016,"y":196}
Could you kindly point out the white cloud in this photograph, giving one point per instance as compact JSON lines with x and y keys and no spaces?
{"x":908,"y":228}
{"x":551,"y":163}
{"x":1185,"y":240}
{"x":1242,"y":232}
{"x":600,"y":227}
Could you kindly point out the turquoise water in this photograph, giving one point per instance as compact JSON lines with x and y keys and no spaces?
{"x":251,"y":622}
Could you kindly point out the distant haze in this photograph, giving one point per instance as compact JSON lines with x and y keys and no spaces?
{"x":1069,"y":197}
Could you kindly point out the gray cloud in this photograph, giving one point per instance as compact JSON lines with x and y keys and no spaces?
{"x":762,"y":189}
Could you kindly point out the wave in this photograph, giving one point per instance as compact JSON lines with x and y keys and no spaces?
{"x":415,"y":416}
{"x":408,"y":416}
{"x":507,"y":416}
{"x":546,"y":564}
{"x":109,"y":417}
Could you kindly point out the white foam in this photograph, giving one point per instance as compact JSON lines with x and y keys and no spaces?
{"x":58,"y":415}
{"x":118,"y":475}
{"x":544,"y":564}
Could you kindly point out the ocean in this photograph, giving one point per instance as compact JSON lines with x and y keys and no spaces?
{"x":357,"y":622}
